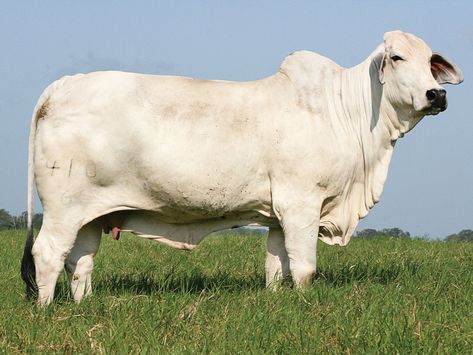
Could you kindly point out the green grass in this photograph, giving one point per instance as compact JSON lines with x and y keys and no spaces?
{"x":374,"y":296}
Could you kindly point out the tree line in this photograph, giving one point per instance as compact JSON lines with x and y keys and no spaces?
{"x":8,"y":221}
{"x":465,"y":235}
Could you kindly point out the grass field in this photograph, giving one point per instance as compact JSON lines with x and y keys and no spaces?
{"x":374,"y":296}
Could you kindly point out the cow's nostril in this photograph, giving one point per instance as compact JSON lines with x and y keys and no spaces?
{"x":432,"y":94}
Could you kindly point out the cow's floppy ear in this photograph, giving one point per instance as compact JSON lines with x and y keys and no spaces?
{"x":444,"y":71}
{"x":379,"y":62}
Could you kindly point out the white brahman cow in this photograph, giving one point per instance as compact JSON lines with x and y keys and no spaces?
{"x":305,"y":152}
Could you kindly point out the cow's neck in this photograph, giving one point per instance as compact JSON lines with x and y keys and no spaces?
{"x":376,"y":122}
{"x":356,"y":108}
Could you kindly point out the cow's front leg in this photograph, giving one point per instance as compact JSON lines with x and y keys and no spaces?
{"x":277,"y":262}
{"x":300,"y":225}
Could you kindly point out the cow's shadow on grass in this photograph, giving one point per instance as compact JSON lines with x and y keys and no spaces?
{"x":196,"y":281}
{"x":365,"y":272}
{"x":177,"y":283}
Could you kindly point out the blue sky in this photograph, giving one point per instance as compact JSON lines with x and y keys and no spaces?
{"x":429,"y":184}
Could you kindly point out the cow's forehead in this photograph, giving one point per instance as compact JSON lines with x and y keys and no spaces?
{"x":406,"y":43}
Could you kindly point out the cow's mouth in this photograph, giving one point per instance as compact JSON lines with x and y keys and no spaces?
{"x":434,"y":110}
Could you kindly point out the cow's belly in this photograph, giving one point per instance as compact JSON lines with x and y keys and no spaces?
{"x":188,"y":197}
{"x":152,"y":225}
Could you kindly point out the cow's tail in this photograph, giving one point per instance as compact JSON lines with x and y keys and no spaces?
{"x":28,"y":271}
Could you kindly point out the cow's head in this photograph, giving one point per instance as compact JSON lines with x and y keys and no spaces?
{"x":411,"y":74}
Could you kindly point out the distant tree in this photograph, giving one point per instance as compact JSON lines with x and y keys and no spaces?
{"x":37,"y":220}
{"x":6,"y":220}
{"x":20,"y":221}
{"x":395,"y":233}
{"x":465,"y":235}
{"x":386,"y":232}
{"x":367,"y":233}
{"x":452,"y":238}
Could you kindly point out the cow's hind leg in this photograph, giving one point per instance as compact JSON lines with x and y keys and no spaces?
{"x":277,"y":261}
{"x":50,"y":250}
{"x":80,"y":262}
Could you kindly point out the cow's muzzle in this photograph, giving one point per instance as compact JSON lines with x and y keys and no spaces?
{"x":437,"y":99}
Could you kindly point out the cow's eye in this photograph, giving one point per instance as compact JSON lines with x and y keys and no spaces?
{"x":396,"y":58}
